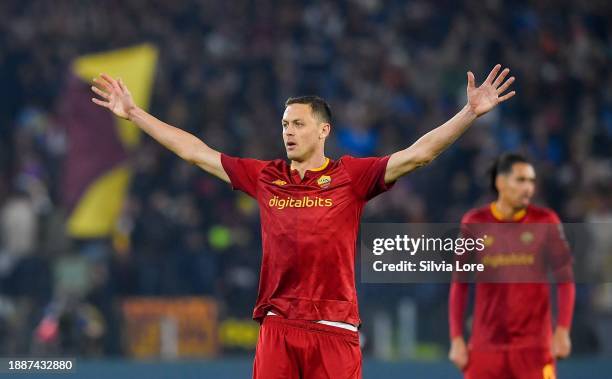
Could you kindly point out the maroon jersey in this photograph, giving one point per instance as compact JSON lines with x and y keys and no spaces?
{"x":516,"y":313}
{"x":309,"y":232}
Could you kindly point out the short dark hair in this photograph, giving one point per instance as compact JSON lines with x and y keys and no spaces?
{"x":503,"y":165}
{"x":319,"y":107}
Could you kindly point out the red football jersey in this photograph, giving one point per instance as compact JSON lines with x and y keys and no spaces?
{"x":309,"y":232}
{"x":514,"y":314}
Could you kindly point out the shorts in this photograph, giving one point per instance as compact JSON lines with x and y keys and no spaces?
{"x":302,"y":349}
{"x":517,"y":363}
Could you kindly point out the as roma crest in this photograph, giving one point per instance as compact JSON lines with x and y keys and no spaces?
{"x":527,"y":237}
{"x":324,"y":181}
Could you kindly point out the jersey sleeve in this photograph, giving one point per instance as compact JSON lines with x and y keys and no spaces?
{"x":367,"y":175}
{"x":465,"y":231}
{"x":243,"y":173}
{"x":559,"y":254}
{"x":457,"y":304}
{"x":566,"y":297}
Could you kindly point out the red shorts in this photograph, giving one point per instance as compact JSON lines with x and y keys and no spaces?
{"x":304,"y":349}
{"x":511,"y":364}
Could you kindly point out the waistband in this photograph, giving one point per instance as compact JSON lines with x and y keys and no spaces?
{"x":309,"y":325}
{"x":337,"y":324}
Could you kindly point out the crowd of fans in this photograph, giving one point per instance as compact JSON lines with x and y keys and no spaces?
{"x":391,"y":70}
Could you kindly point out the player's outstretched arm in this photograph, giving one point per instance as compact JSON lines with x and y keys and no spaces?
{"x":117,"y":98}
{"x":480,"y":100}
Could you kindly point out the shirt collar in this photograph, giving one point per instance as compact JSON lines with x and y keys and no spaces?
{"x":317,"y":169}
{"x":515,"y":217}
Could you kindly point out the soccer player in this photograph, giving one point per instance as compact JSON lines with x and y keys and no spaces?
{"x":512,"y":328}
{"x":310,"y":209}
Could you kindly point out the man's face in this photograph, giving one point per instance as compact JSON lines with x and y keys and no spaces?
{"x":302,"y":131}
{"x":518,"y":186}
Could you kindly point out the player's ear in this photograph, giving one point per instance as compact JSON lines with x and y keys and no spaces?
{"x":500,"y":182}
{"x":325,"y":130}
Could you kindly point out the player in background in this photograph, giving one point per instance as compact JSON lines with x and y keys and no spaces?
{"x":310,"y":209}
{"x":512,"y":328}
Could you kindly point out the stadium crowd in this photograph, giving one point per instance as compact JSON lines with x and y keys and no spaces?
{"x":391,"y":70}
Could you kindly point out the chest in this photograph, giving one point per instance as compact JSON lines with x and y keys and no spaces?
{"x":327,"y":197}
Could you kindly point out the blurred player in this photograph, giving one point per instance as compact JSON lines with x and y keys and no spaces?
{"x":512,"y":329}
{"x":310,"y":210}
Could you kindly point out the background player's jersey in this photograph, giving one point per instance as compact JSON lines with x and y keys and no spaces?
{"x":515,"y":314}
{"x":309,"y":231}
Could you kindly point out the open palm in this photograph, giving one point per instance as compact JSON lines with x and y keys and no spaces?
{"x":490,"y":93}
{"x":115,"y":95}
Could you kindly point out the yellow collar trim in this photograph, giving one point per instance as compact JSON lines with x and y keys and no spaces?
{"x":322,"y":167}
{"x":515,"y":217}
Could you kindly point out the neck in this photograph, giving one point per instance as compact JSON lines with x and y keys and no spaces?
{"x":505,"y":210}
{"x":313,"y":162}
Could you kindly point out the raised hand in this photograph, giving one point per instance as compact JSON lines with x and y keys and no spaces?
{"x":490,"y":93}
{"x":115,"y":95}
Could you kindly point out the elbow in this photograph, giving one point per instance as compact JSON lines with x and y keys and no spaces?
{"x":411,"y":163}
{"x":185,"y":155}
{"x":404,"y":169}
{"x":419,"y":157}
{"x":423,"y":161}
{"x":188,"y":155}
{"x":191,"y":153}
{"x":420,"y":160}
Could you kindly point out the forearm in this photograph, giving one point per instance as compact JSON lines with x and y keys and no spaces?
{"x":436,"y":141}
{"x":183,"y":144}
{"x":429,"y":146}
